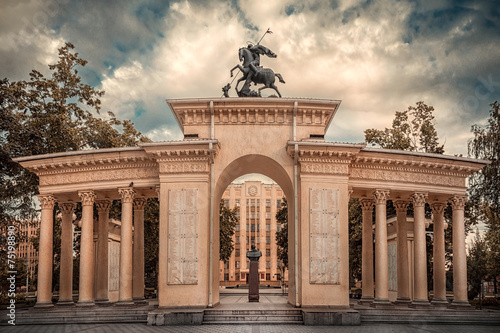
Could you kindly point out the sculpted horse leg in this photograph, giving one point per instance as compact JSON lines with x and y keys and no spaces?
{"x":237,"y":66}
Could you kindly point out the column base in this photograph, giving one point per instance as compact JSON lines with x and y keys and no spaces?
{"x":103,"y":302}
{"x":65,"y":302}
{"x":366,"y":300}
{"x":382,"y":303}
{"x":85,"y":303}
{"x":125,"y":302}
{"x":439,"y":302}
{"x":140,"y":301}
{"x":43,"y":305}
{"x":420,"y":304}
{"x":403,"y":301}
{"x":459,"y":305}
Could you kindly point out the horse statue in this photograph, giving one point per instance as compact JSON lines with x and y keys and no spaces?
{"x":253,"y":72}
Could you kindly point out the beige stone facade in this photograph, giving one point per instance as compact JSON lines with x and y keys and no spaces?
{"x":258,"y":204}
{"x":281,"y":139}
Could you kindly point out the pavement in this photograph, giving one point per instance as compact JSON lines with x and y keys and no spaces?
{"x":143,"y":328}
{"x":238,"y":299}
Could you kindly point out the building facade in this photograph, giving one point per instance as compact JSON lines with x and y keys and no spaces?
{"x":257,"y":205}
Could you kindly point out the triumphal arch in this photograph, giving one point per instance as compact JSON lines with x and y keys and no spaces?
{"x":282,"y":138}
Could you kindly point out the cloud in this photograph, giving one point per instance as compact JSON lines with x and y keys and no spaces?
{"x":376,"y":56}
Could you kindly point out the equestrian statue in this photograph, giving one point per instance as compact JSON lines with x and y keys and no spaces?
{"x":253,"y":72}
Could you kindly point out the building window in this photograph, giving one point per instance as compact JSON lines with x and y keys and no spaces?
{"x":268,"y":240}
{"x":268,"y":202}
{"x":268,"y":227}
{"x":237,"y":253}
{"x":236,"y":264}
{"x":237,"y":227}
{"x":226,"y":203}
{"x":268,"y":264}
{"x":268,"y":252}
{"x":268,"y":215}
{"x":237,"y":239}
{"x":278,"y":227}
{"x":278,"y":203}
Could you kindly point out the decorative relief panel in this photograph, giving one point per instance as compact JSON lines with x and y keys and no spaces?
{"x":393,"y":266}
{"x":182,"y":236}
{"x":114,"y":266}
{"x":86,"y":175}
{"x":324,"y":168}
{"x":324,"y":236}
{"x":409,"y":177}
{"x":184,"y":167}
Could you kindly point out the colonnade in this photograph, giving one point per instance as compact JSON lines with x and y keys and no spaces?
{"x":93,"y":272}
{"x":379,"y":296}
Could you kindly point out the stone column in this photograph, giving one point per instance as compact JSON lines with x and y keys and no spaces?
{"x":86,"y":290}
{"x":438,"y":254}
{"x":381,"y":259}
{"x":138,"y":259}
{"x":66,"y":275}
{"x":102,"y":285}
{"x":459,"y":254}
{"x":367,"y":252}
{"x":402,"y":248}
{"x":420,"y":256}
{"x":125,"y":292}
{"x":45,"y":255}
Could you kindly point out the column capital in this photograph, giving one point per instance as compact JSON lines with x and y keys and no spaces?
{"x":67,"y":207}
{"x":350,"y":191}
{"x":381,"y":196}
{"x":438,"y":207}
{"x":367,"y":204}
{"x":139,"y":203}
{"x":104,"y":205}
{"x":127,"y":194}
{"x":458,"y":202}
{"x":419,"y":199}
{"x":401,"y":205}
{"x":47,"y":201}
{"x":87,"y":197}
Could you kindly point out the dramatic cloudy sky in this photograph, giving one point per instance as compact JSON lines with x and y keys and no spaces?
{"x":375,"y":56}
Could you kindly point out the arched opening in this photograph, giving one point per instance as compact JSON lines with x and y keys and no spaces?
{"x":258,"y":164}
{"x":255,"y":201}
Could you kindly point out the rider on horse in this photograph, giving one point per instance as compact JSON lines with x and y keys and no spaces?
{"x":257,"y":50}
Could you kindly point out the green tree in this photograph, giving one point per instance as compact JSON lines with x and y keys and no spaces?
{"x":477,"y":266}
{"x":228,"y":219}
{"x":49,"y":115}
{"x":151,"y":242}
{"x":355,"y":240}
{"x":282,"y":235}
{"x":484,"y":193}
{"x":412,"y":130}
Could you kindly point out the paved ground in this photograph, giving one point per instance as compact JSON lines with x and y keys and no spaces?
{"x":142,"y":328}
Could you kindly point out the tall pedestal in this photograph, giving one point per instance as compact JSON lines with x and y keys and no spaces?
{"x":253,"y":282}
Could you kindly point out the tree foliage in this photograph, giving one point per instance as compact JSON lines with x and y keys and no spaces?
{"x":355,"y":239}
{"x":46,"y":115}
{"x":49,"y":115}
{"x":476,"y":266}
{"x":228,"y":219}
{"x":484,"y":186}
{"x":412,"y":130}
{"x":282,"y":235}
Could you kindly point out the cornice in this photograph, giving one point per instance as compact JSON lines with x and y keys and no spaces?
{"x":427,"y":167}
{"x":275,"y":111}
